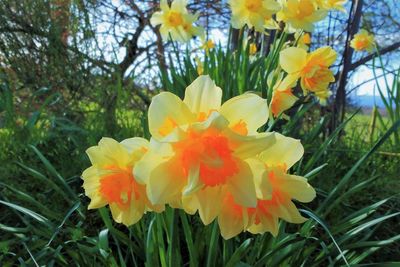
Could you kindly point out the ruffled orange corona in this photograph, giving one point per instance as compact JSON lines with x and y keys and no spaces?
{"x":109,"y":181}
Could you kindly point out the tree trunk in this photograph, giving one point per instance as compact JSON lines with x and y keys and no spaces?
{"x":339,"y":107}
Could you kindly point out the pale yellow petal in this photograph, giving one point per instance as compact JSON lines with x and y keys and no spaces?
{"x":292,"y":59}
{"x":209,"y":201}
{"x":135,"y":143}
{"x":165,"y":183}
{"x":157,"y":18}
{"x":285,"y":150}
{"x":108,"y":152}
{"x":260,"y":176}
{"x":267,"y":223}
{"x":241,"y":186}
{"x":289,"y":212}
{"x":232,"y":221}
{"x":297,"y":188}
{"x":250,"y":146}
{"x":203,"y":96}
{"x":250,"y":109}
{"x":166,"y":112}
{"x":91,"y":185}
{"x":129,"y":216}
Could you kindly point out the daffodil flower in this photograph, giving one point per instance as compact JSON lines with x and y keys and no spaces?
{"x":300,"y":14}
{"x":252,"y":49}
{"x":275,"y":190}
{"x":109,"y":181}
{"x":303,"y":40}
{"x":311,"y":68}
{"x":254,"y":13}
{"x":332,"y":4}
{"x":176,"y":21}
{"x":363,"y":40}
{"x":282,"y":98}
{"x":245,"y":113}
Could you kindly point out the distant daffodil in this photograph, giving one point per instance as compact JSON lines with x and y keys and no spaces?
{"x":176,"y":21}
{"x":363,"y":41}
{"x":311,"y":68}
{"x":332,"y":4}
{"x":301,"y":14}
{"x":253,"y":13}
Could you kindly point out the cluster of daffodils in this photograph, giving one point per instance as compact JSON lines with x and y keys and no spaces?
{"x":297,"y":15}
{"x":209,"y":158}
{"x":202,"y":157}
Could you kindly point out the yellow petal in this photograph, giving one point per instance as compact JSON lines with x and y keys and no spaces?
{"x":135,"y":143}
{"x":242,"y":187}
{"x":166,"y":112}
{"x":145,"y":166}
{"x":130,"y":216}
{"x":91,"y":185}
{"x":108,"y":152}
{"x":179,"y":6}
{"x":261,"y":182}
{"x":249,"y":109}
{"x":157,"y":18}
{"x":292,"y":59}
{"x":267,"y":223}
{"x":165,"y":183}
{"x":190,"y":204}
{"x":203,"y":96}
{"x":232,"y":221}
{"x":297,"y":188}
{"x":285,"y":150}
{"x":193,"y":183}
{"x":209,"y":201}
{"x":290,"y":213}
{"x":250,"y":146}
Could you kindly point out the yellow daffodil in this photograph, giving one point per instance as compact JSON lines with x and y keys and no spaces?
{"x":109,"y":181}
{"x":275,"y":190}
{"x":208,"y":45}
{"x":200,"y":148}
{"x":200,"y":66}
{"x":254,"y":13}
{"x":252,"y":49}
{"x":332,"y":4}
{"x":176,"y":21}
{"x":282,"y":100}
{"x":363,"y":40}
{"x":303,"y":40}
{"x":300,"y":14}
{"x":312,"y":69}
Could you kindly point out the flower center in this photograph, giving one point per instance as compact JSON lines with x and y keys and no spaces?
{"x":254,"y":5}
{"x":118,"y":186}
{"x":318,"y":80}
{"x":175,"y":18}
{"x":209,"y":150}
{"x":361,"y":43}
{"x":304,"y":9}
